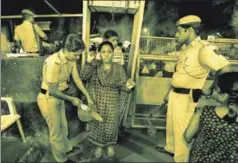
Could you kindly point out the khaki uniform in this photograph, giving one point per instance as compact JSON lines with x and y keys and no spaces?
{"x":5,"y":46}
{"x":193,"y":67}
{"x":56,"y":69}
{"x":25,"y":34}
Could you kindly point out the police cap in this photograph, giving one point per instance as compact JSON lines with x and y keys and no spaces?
{"x":189,"y":20}
{"x":27,"y":11}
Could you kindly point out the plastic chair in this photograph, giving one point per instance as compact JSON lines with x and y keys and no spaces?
{"x":13,"y":117}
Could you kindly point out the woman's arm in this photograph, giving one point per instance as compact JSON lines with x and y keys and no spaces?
{"x":124,"y":84}
{"x":80,"y":84}
{"x":193,"y":127}
{"x":87,"y":71}
{"x":52,"y":74}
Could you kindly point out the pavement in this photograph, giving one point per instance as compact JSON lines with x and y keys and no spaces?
{"x":135,"y":146}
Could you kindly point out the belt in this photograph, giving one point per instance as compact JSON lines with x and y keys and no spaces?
{"x":181,"y":90}
{"x":43,"y":91}
{"x":196,"y":93}
{"x":32,"y":52}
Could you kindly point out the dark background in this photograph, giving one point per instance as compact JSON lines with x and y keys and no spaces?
{"x":216,"y":14}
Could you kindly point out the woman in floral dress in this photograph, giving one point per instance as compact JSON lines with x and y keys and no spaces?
{"x":106,"y":79}
{"x":216,"y":127}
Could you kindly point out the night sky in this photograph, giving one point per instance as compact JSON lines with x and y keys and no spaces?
{"x":213,"y":16}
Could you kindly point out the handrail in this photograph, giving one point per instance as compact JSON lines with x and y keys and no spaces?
{"x":218,"y":40}
{"x":156,"y":37}
{"x":158,"y":58}
{"x":171,"y":58}
{"x":225,"y":40}
{"x":42,"y":16}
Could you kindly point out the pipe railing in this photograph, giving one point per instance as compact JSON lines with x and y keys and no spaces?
{"x":42,"y":16}
{"x":171,"y":58}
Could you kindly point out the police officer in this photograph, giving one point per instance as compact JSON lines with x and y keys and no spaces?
{"x":56,"y":71}
{"x":28,"y":34}
{"x":197,"y":58}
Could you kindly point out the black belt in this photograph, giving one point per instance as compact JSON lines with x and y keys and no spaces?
{"x":32,"y":52}
{"x":181,"y":90}
{"x":43,"y":91}
{"x":196,"y":93}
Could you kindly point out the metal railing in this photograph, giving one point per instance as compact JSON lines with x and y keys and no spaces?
{"x":42,"y":16}
{"x":164,"y":45}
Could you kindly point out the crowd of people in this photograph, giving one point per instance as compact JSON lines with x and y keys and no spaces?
{"x":209,"y":135}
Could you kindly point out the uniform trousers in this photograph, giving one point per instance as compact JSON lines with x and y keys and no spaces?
{"x":180,"y":110}
{"x":53,"y":111}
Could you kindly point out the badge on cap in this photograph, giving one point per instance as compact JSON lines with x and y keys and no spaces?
{"x":189,"y":20}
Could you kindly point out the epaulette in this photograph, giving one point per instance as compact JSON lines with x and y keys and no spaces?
{"x":211,"y":46}
{"x":57,"y":63}
{"x":204,"y":43}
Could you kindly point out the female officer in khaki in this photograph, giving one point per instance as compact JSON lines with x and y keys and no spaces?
{"x":56,"y":71}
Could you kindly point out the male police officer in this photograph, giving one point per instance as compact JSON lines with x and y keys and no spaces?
{"x":28,"y":34}
{"x":197,"y":58}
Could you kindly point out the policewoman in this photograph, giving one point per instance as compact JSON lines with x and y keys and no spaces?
{"x":196,"y":60}
{"x":56,"y":71}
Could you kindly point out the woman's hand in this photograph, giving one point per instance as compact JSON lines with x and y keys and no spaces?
{"x":130,"y":84}
{"x":90,"y":102}
{"x":76,"y":102}
{"x":91,"y":56}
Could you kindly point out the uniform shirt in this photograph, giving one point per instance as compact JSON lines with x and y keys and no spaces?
{"x":4,"y":44}
{"x":57,"y":69}
{"x":25,"y":34}
{"x":195,"y":63}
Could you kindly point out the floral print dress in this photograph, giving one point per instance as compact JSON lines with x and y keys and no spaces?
{"x":217,"y":141}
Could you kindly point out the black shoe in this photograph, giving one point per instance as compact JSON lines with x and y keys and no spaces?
{"x":162,"y":150}
{"x":74,"y":151}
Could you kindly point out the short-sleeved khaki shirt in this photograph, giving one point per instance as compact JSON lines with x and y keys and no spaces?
{"x":57,"y":69}
{"x":195,"y":63}
{"x":25,"y":33}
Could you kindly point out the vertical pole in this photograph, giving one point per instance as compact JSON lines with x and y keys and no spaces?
{"x":86,"y":29}
{"x":134,"y":51}
{"x":136,"y":32}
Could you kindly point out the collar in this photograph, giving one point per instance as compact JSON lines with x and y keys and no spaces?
{"x":61,"y":57}
{"x":194,"y":42}
{"x":26,"y":22}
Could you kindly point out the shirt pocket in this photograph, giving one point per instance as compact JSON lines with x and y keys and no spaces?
{"x":64,"y":73}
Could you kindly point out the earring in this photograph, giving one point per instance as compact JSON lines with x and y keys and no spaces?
{"x":231,"y":113}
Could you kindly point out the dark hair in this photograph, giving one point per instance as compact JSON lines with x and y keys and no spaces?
{"x":110,"y":33}
{"x":92,"y":47}
{"x":196,"y":27}
{"x":73,"y":43}
{"x":120,"y":44}
{"x":226,"y":81}
{"x":25,"y":16}
{"x":105,"y":43}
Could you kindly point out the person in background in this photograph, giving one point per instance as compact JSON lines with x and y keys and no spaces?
{"x":112,"y":36}
{"x":28,"y":35}
{"x":216,"y":127}
{"x":106,"y":79}
{"x":57,"y":69}
{"x":5,"y":45}
{"x":196,"y":60}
